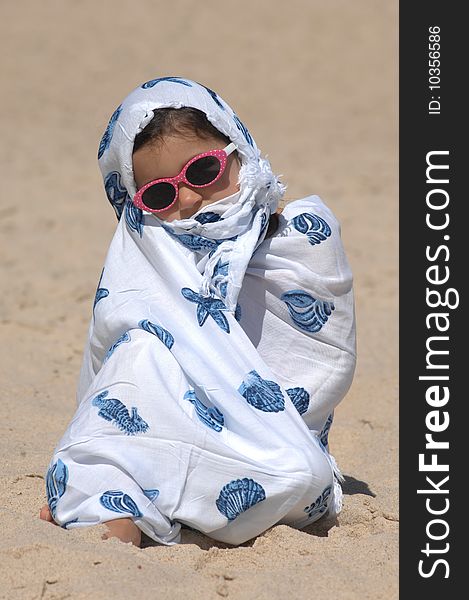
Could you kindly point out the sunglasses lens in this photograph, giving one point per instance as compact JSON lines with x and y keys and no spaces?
{"x":159,"y":196}
{"x":203,"y":171}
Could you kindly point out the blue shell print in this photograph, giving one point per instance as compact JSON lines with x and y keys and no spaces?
{"x":300,"y":398}
{"x":261,"y":393}
{"x":119,"y":502}
{"x":124,"y":338}
{"x":214,"y":96}
{"x":56,"y":483}
{"x":65,"y":525}
{"x":221,"y":268}
{"x":319,"y":506}
{"x":153,"y":82}
{"x":101,"y":292}
{"x":244,"y":130}
{"x":308,"y":313}
{"x":238,"y":496}
{"x":107,"y":137}
{"x":207,"y":217}
{"x":211,"y":417}
{"x":151,"y":494}
{"x":314,"y":227}
{"x":161,"y":333}
{"x":324,"y":435}
{"x":115,"y":411}
{"x":134,"y":217}
{"x":195,"y":242}
{"x":115,"y":192}
{"x":207,"y":306}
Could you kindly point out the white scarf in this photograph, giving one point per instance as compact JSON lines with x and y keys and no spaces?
{"x":215,"y":357}
{"x":243,"y":220}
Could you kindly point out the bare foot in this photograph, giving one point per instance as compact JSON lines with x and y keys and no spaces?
{"x":123,"y":529}
{"x":45,"y":515}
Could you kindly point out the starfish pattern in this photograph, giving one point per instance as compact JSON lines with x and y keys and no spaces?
{"x":207,"y":306}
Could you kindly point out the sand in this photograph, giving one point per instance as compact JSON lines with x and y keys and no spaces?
{"x":316,"y":83}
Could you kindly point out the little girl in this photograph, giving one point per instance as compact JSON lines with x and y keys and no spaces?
{"x":221,"y":340}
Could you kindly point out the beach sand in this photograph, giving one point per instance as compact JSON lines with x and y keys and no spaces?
{"x":316,"y":83}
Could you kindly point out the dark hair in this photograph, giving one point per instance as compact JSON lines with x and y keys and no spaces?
{"x":185,"y":121}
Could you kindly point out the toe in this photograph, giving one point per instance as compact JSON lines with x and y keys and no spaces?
{"x":45,"y":514}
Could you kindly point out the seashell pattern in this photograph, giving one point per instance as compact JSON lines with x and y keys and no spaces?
{"x":160,"y":332}
{"x":319,"y":506}
{"x":324,"y":435}
{"x":210,"y":416}
{"x":261,"y":393}
{"x":238,"y":496}
{"x":244,"y":130}
{"x":308,"y":313}
{"x":214,"y":96}
{"x":300,"y":398}
{"x":151,"y":494}
{"x":220,"y":274}
{"x":115,"y":411}
{"x":134,"y":217}
{"x":115,"y":192}
{"x":153,"y":82}
{"x":194,"y":241}
{"x":56,"y":484}
{"x":101,"y":292}
{"x":65,"y":525}
{"x":107,"y":137}
{"x":208,"y":217}
{"x":315,"y":228}
{"x":119,"y":502}
{"x":124,"y":338}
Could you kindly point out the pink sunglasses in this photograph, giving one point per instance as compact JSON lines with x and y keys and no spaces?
{"x":201,"y":171}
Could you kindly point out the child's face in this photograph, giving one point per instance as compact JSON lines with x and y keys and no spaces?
{"x":168,"y":158}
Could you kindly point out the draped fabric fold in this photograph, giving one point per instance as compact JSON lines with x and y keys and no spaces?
{"x":215,"y":356}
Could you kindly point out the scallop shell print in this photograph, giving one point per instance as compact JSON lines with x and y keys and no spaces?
{"x":210,"y":416}
{"x":56,"y":483}
{"x":261,"y":393}
{"x":161,"y":333}
{"x":300,"y":398}
{"x":119,"y":502}
{"x":238,"y":496}
{"x":315,"y":228}
{"x":308,"y":313}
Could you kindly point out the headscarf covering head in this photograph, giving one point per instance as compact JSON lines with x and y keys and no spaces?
{"x":137,"y":110}
{"x":241,"y":222}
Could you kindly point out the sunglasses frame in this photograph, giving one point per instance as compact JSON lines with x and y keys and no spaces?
{"x":222,"y":156}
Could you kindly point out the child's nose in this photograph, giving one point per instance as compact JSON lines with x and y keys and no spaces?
{"x":188,"y":197}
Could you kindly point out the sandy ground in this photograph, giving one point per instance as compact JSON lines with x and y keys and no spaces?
{"x":316,"y":83}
